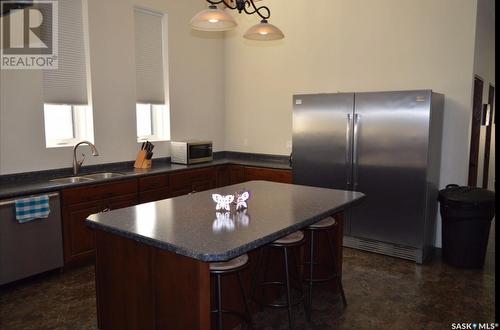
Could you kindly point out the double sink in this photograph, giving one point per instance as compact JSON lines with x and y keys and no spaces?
{"x":88,"y":177}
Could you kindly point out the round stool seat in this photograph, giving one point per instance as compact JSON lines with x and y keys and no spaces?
{"x":323,"y":224}
{"x":291,"y":239}
{"x":229,"y":265}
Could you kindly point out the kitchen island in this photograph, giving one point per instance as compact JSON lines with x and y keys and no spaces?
{"x":152,"y":260}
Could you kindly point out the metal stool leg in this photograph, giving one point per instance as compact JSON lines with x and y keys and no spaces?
{"x":338,"y":277}
{"x":287,"y":279}
{"x":265,"y":273}
{"x":301,"y":280}
{"x":256,"y":275}
{"x":311,"y":270}
{"x":247,"y":308}
{"x":219,"y":302}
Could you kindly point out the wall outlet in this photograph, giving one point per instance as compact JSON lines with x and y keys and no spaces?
{"x":245,"y":142}
{"x":288,"y":144}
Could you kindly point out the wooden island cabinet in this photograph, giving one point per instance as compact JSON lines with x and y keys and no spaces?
{"x":80,"y":202}
{"x":159,"y":278}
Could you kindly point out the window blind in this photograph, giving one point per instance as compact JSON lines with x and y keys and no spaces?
{"x":68,"y":83}
{"x":149,"y":57}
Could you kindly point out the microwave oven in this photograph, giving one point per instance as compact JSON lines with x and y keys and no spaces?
{"x":191,"y":152}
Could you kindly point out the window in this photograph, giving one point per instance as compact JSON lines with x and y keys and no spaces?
{"x":153,"y":115}
{"x":66,"y":125}
{"x":153,"y":122}
{"x":144,"y":120}
{"x":67,"y":113}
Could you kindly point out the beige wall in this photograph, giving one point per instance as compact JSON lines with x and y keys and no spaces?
{"x":195,"y":67}
{"x":357,"y":45}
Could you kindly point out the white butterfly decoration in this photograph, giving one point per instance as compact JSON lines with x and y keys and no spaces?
{"x":241,"y":200}
{"x":223,"y":202}
{"x":223,"y":222}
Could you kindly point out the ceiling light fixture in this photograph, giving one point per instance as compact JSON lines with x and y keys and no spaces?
{"x":215,"y":19}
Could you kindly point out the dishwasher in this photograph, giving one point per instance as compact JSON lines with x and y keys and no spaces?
{"x":32,"y":247}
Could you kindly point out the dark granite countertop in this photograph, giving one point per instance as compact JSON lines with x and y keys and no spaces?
{"x":39,"y":182}
{"x":189,"y":225}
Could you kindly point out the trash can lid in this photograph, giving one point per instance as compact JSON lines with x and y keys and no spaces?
{"x":466,"y":195}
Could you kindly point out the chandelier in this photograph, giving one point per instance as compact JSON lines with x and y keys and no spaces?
{"x":215,"y":19}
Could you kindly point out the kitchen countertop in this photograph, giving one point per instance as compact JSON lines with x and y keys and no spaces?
{"x":189,"y":225}
{"x":23,"y":185}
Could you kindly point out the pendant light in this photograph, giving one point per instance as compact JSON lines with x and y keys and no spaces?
{"x":264,"y":31}
{"x":215,"y":19}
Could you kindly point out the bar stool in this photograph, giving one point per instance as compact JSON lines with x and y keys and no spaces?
{"x":219,"y":269}
{"x":293,"y":240}
{"x":324,"y":226}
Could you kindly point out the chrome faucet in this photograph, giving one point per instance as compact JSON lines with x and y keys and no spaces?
{"x":77,"y":164}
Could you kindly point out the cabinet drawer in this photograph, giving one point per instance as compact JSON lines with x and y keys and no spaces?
{"x":122,"y":201}
{"x":153,"y":182}
{"x":193,"y":180}
{"x":154,"y":195}
{"x":99,"y":192}
{"x":268,"y":174}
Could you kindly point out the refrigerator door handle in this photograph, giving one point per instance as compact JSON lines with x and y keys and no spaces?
{"x":357,"y":119}
{"x":348,"y":151}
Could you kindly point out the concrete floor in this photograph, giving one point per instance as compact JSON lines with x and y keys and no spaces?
{"x":382,"y":293}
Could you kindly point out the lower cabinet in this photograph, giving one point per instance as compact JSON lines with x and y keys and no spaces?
{"x":78,"y":241}
{"x":236,"y":174}
{"x":223,"y":175}
{"x":154,"y":188}
{"x":233,"y":174}
{"x":121,"y":202}
{"x":190,"y":181}
{"x":79,"y":203}
{"x":230,"y":174}
{"x":267,"y":174}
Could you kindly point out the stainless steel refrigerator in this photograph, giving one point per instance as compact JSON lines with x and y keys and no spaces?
{"x":384,"y":144}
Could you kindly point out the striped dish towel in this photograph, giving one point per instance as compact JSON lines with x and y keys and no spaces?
{"x":31,"y":208}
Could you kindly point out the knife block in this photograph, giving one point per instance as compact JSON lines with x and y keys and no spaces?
{"x":141,"y":161}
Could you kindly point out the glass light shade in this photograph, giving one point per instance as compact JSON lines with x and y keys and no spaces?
{"x":264,"y":31}
{"x":213,"y":19}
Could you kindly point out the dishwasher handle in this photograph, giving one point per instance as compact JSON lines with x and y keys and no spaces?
{"x":12,"y":201}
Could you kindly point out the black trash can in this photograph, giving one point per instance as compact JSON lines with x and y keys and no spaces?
{"x":466,"y":214}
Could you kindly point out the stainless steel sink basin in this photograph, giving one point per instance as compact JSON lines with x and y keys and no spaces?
{"x":72,"y":179}
{"x":102,"y":176}
{"x":88,"y":177}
